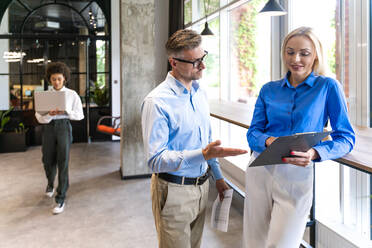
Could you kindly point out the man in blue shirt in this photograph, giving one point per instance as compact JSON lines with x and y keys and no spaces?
{"x":177,"y":139}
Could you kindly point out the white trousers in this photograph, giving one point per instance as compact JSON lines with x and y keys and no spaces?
{"x":277,"y":204}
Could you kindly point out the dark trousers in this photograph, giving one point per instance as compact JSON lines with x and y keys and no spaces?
{"x":56,"y":141}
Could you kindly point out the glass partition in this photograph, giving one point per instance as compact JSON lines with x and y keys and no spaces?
{"x":34,"y":33}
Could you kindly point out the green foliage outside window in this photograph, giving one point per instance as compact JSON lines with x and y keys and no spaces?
{"x":187,"y":11}
{"x":245,"y":39}
{"x":210,"y":6}
{"x":101,"y":60}
{"x":100,"y":92}
{"x":332,"y":58}
{"x":331,"y":53}
{"x":212,"y":61}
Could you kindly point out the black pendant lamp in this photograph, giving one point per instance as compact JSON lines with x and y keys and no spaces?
{"x":273,"y":8}
{"x":206,"y":30}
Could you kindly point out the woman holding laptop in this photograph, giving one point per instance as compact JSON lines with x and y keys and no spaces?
{"x":279,"y":197}
{"x":57,"y":134}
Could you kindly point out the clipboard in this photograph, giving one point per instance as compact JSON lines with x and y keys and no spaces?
{"x":283,"y":145}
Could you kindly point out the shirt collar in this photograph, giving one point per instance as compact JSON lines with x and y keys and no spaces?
{"x":179,"y":88}
{"x":310,"y":80}
{"x":62,"y":89}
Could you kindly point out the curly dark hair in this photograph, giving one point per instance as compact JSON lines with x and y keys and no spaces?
{"x":58,"y":67}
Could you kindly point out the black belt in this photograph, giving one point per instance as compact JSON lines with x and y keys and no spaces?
{"x":184,"y":180}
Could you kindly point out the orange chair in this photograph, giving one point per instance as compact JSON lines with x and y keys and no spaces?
{"x":111,"y":130}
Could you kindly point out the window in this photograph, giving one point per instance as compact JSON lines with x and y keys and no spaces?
{"x":341,"y":192}
{"x":211,"y":43}
{"x":247,"y":47}
{"x":249,"y":52}
{"x":239,"y":57}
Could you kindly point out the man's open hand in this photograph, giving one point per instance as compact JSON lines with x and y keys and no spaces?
{"x":214,"y":150}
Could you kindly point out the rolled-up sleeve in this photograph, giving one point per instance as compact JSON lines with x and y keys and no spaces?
{"x":43,"y":119}
{"x":76,"y":113}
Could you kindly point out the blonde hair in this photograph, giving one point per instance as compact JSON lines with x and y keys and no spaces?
{"x":320,"y":65}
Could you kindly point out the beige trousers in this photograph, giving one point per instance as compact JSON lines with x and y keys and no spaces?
{"x":179,"y":212}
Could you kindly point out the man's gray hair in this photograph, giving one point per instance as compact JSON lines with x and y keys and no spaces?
{"x":184,"y":39}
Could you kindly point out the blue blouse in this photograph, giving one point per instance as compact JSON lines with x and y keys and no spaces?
{"x":282,"y":110}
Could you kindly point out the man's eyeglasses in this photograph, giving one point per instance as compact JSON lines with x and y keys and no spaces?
{"x":196,"y":63}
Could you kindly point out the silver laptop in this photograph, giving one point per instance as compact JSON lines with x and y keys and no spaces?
{"x":50,"y":100}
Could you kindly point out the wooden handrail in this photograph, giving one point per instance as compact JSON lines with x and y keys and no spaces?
{"x":241,"y":115}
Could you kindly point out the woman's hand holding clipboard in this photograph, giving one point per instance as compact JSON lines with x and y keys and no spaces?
{"x":294,"y":149}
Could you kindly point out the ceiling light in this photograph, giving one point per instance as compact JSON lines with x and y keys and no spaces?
{"x":206,"y":30}
{"x":13,"y":55}
{"x":273,"y":8}
{"x":47,"y":25}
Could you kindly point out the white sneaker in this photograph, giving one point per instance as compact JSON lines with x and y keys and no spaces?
{"x":49,"y":192}
{"x":59,"y":208}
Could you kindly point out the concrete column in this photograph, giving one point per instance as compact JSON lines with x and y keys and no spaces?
{"x":82,"y":62}
{"x":144,"y":29}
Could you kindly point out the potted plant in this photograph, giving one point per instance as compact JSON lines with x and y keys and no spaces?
{"x":100,"y":94}
{"x":11,"y":140}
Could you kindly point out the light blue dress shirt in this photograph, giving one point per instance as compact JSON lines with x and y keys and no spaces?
{"x":175,"y":127}
{"x":283,"y":110}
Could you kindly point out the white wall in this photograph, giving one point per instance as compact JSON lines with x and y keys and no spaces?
{"x":4,"y":66}
{"x":115,"y":59}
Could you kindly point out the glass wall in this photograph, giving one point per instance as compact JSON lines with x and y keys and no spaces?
{"x":34,"y":33}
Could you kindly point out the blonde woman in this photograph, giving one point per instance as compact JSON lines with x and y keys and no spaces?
{"x":279,"y":197}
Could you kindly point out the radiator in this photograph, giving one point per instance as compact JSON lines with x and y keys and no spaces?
{"x":326,"y":238}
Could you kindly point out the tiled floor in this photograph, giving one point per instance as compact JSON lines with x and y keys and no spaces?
{"x":101,"y":210}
